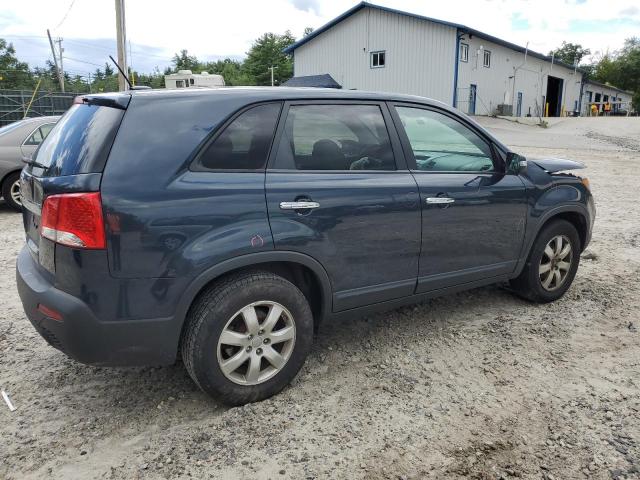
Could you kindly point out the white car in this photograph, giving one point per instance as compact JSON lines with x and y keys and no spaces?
{"x":19,"y":140}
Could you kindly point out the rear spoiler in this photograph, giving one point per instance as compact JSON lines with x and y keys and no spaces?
{"x":113,"y":100}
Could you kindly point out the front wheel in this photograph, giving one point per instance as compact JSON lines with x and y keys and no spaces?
{"x":11,"y":191}
{"x":247,"y":337}
{"x":552,"y":263}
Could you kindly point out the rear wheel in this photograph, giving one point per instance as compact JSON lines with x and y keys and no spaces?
{"x":11,"y":191}
{"x":247,"y":337}
{"x":552,"y":263}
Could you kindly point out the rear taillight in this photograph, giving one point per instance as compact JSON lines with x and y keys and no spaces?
{"x":74,"y":219}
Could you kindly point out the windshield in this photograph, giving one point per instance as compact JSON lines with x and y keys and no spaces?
{"x":80,"y":141}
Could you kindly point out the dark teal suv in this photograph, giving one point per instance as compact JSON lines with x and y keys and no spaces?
{"x":225,"y":225}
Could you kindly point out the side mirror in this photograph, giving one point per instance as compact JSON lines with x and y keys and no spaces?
{"x":516,"y":163}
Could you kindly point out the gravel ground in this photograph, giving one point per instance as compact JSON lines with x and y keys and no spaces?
{"x":479,"y":384}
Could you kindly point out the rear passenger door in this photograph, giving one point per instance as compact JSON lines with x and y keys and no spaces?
{"x":339,"y":191}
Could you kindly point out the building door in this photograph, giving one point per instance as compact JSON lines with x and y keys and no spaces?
{"x":554,"y":96}
{"x":519,"y":105}
{"x":472,"y":99}
{"x":473,"y":211}
{"x":338,"y":191}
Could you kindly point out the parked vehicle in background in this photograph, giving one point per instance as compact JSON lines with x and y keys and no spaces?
{"x":224,"y":225}
{"x":17,"y":141}
{"x":188,"y":79}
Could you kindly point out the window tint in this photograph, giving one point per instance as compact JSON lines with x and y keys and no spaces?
{"x":335,"y":137}
{"x":80,"y":141}
{"x":440,"y":143}
{"x":244,"y":143}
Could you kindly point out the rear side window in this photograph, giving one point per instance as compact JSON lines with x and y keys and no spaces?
{"x":335,"y":137}
{"x":40,"y":134}
{"x":79,"y":142}
{"x":244,"y":143}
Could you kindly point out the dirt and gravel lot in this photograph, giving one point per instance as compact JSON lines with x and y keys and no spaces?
{"x":479,"y":384}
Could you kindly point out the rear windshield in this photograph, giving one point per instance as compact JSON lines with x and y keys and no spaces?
{"x":80,"y":141}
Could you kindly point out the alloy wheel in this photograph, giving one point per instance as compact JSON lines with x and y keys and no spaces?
{"x":15,"y":192}
{"x":555,"y":263}
{"x":256,"y":343}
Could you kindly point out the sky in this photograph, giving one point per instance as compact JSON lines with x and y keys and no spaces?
{"x":214,"y":29}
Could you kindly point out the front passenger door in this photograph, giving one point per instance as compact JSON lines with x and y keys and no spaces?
{"x":473,"y":211}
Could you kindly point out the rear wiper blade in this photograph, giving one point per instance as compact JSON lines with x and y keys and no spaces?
{"x":33,"y":163}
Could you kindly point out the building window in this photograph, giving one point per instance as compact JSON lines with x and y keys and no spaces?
{"x":191,"y":82}
{"x":378,"y":59}
{"x":179,"y":83}
{"x":464,"y":52}
{"x":487,"y":59}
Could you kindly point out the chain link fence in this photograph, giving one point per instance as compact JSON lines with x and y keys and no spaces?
{"x":14,"y":104}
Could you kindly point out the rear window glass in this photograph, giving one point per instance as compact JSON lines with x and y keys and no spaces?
{"x":80,"y":141}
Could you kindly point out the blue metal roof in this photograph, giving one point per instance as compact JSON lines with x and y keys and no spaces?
{"x":462,"y":28}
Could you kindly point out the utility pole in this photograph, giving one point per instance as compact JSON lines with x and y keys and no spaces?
{"x":271,"y":68}
{"x":55,"y":61}
{"x":121,"y":41}
{"x":60,"y":50}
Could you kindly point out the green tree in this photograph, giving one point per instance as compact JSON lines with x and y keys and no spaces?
{"x":621,"y":68}
{"x":14,"y":73}
{"x":184,"y":61}
{"x":570,"y":53}
{"x":233,"y":72}
{"x":267,"y":52}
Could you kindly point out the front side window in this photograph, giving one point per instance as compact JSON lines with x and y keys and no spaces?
{"x":244,"y":143}
{"x":378,"y":59}
{"x":487,"y":59}
{"x":464,"y":52}
{"x":443,"y":144}
{"x":335,"y":137}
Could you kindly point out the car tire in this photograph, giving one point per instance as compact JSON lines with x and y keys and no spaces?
{"x":8,"y":191}
{"x":552,"y":264}
{"x":247,"y":336}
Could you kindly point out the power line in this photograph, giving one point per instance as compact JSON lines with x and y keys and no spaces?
{"x":66,"y":14}
{"x":84,"y":61}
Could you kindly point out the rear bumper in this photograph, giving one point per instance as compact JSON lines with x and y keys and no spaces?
{"x":82,"y":336}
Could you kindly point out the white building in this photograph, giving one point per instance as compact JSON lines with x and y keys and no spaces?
{"x":599,"y":94}
{"x":370,"y":47}
{"x":186,"y":79}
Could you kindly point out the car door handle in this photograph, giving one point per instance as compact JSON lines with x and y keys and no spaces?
{"x":439,"y":200}
{"x":303,"y":205}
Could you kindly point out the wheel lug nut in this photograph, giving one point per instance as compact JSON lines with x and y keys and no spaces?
{"x":250,"y":336}
{"x":259,"y":351}
{"x":260,"y":332}
{"x":265,"y":341}
{"x":249,"y":348}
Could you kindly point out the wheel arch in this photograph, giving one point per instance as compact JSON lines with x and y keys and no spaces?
{"x":302,"y":270}
{"x":576,"y":214}
{"x":7,"y":175}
